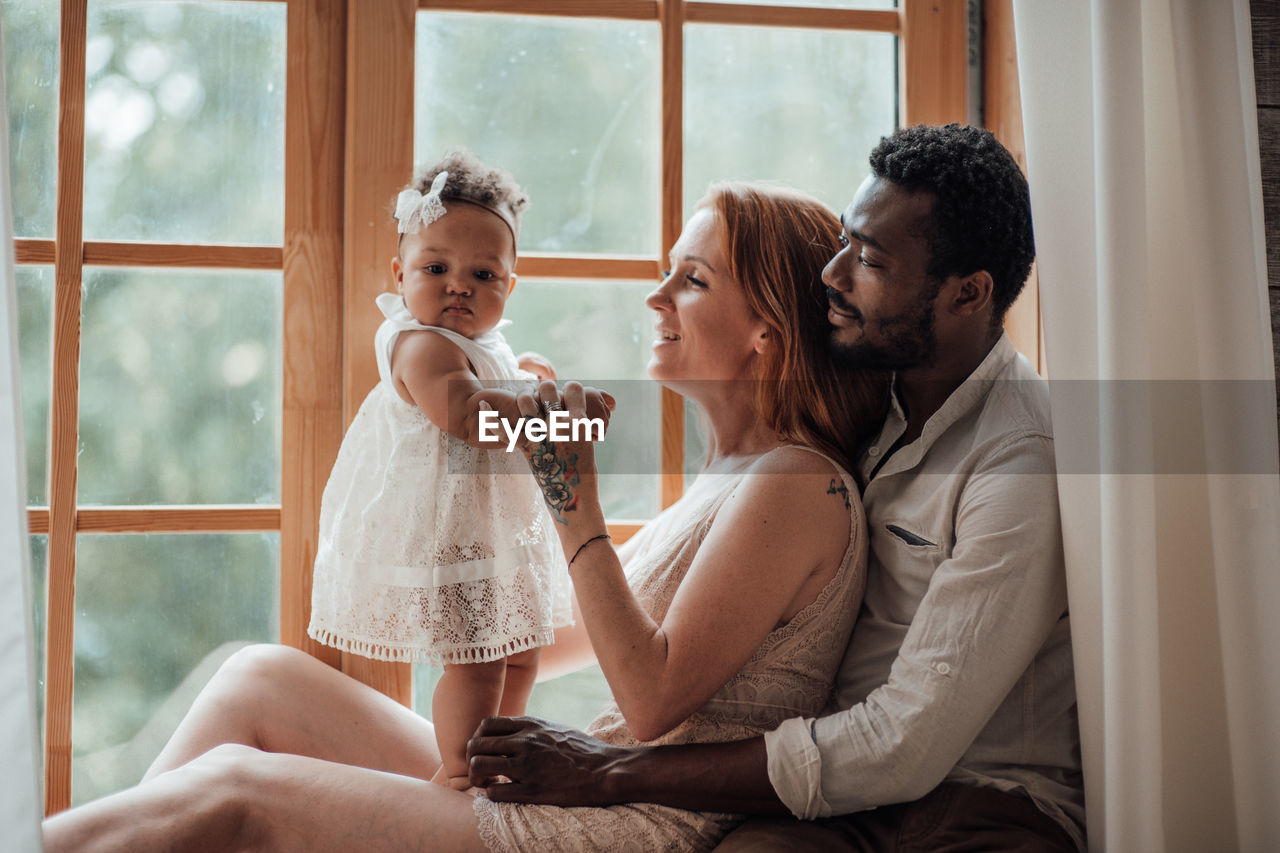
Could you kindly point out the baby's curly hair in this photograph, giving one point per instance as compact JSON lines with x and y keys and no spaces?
{"x":981,"y":217}
{"x":471,"y":180}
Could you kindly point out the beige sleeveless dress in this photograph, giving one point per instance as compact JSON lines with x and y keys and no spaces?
{"x":790,"y":675}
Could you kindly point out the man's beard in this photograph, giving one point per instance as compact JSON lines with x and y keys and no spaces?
{"x":906,"y":340}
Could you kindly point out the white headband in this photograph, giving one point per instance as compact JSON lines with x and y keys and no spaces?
{"x":415,"y":211}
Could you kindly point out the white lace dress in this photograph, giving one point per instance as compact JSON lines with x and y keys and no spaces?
{"x":790,"y":675}
{"x":431,"y":550}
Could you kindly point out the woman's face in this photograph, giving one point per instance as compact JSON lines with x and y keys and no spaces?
{"x":705,"y":329}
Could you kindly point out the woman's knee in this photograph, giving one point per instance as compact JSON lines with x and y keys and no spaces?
{"x":258,"y":668}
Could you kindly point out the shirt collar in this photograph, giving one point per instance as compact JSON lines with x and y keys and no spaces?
{"x":970,"y":393}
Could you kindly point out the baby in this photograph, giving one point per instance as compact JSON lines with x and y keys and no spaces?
{"x":432,"y":549}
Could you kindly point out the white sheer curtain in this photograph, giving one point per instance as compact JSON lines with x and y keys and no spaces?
{"x":19,"y":749}
{"x":1142,"y":154}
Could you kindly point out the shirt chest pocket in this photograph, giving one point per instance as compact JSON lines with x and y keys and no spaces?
{"x":909,"y":554}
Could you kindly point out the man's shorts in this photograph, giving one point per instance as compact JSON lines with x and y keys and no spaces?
{"x":951,"y":817}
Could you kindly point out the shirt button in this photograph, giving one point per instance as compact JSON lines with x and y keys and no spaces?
{"x":944,"y":668}
{"x":875,"y":451}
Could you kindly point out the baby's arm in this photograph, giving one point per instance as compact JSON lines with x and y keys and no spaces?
{"x":432,"y":372}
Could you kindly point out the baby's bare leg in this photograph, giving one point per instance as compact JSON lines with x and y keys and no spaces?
{"x":237,"y":798}
{"x":279,"y":699}
{"x":522,"y":671}
{"x":465,"y":695}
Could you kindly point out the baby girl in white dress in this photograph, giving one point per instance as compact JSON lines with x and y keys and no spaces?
{"x":431,"y":548}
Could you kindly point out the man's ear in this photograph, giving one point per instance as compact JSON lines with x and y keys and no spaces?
{"x":973,"y":293}
{"x":512,"y":286}
{"x":397,"y":274}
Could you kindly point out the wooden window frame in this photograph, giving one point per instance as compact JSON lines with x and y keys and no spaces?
{"x":349,"y":112}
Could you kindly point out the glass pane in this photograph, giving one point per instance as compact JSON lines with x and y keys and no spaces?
{"x":804,"y":107}
{"x":184,"y":122}
{"x":155,"y":616}
{"x":574,"y":699}
{"x":31,"y":94}
{"x":180,"y":387}
{"x":35,"y":329}
{"x":600,"y":333}
{"x":825,"y":4}
{"x":39,"y":609}
{"x":569,"y":107}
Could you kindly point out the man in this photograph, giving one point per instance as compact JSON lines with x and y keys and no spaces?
{"x":954,"y":715}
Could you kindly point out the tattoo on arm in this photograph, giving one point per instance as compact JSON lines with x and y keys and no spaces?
{"x":839,"y":488}
{"x":557,"y":478}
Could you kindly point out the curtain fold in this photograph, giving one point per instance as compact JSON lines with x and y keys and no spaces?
{"x":1142,"y":155}
{"x":20,"y":808}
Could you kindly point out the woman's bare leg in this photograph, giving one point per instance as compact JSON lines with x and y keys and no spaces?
{"x":238,"y":798}
{"x":279,"y":699}
{"x":464,"y":695}
{"x":522,"y":671}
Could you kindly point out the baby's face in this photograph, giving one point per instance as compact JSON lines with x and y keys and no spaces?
{"x":457,"y":272}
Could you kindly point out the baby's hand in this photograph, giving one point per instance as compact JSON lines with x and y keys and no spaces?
{"x":537,"y":365}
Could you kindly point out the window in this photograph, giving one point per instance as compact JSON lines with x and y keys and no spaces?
{"x":201,"y":233}
{"x":150,"y":336}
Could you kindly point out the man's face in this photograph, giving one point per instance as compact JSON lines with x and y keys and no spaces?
{"x":880,"y":297}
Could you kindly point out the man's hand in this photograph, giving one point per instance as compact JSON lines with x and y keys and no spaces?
{"x":554,"y":764}
{"x":545,"y":763}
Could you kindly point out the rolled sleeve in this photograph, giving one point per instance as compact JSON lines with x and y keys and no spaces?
{"x":795,"y":768}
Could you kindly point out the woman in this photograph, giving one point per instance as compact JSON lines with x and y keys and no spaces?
{"x":715,"y":643}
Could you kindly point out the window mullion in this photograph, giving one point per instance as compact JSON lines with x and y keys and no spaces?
{"x":64,"y":408}
{"x":672,"y":23}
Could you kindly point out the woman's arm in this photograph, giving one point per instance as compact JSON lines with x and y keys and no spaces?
{"x":774,"y":544}
{"x":572,"y":649}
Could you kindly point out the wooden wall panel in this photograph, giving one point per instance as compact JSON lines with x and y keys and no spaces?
{"x":935,"y":49}
{"x":1002,"y":115}
{"x":312,"y":263}
{"x":1266,"y":50}
{"x":1269,"y":143}
{"x":1266,"y":72}
{"x":379,"y":162}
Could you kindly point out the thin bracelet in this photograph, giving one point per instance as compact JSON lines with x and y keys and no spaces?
{"x":585,"y":544}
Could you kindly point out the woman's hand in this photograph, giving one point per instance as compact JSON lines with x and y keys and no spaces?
{"x":563,"y":462}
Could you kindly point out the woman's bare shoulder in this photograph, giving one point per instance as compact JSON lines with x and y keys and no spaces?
{"x":794,"y":459}
{"x":799,"y":487}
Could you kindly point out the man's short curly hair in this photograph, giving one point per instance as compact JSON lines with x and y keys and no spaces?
{"x":473,"y":181}
{"x":981,"y":217}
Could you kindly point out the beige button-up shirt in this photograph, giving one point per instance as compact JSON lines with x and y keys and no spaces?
{"x":959,"y":667}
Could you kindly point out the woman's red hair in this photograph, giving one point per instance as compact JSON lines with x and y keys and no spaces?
{"x":776,"y":242}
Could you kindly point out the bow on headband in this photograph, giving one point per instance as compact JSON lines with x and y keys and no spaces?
{"x":415,"y":211}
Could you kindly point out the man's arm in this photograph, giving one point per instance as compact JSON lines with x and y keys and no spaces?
{"x":550,"y":763}
{"x":987,"y":612}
